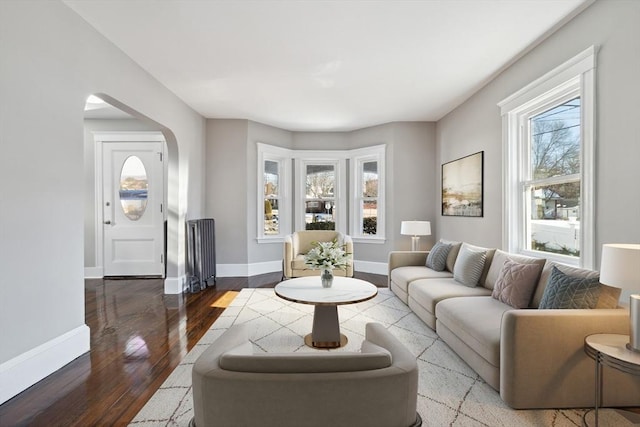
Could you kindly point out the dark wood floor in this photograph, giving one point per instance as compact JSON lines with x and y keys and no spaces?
{"x":138,"y":336}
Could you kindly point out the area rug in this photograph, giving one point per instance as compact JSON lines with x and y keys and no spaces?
{"x":450,"y":393}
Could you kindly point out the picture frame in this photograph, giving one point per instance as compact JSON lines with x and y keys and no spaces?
{"x":463,"y":186}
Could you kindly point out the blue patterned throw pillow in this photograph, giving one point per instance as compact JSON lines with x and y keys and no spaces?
{"x":564,"y":291}
{"x":437,"y":258}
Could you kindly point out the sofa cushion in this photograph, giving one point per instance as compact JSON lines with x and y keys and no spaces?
{"x":453,"y":253}
{"x":437,"y":258}
{"x":429,"y":292}
{"x":574,"y":292}
{"x":469,"y":265}
{"x":516,"y":282}
{"x":240,"y":360}
{"x":402,"y":276}
{"x":475,"y":321}
{"x":499,"y":257}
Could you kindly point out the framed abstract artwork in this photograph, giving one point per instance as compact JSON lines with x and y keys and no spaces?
{"x":462,"y":186}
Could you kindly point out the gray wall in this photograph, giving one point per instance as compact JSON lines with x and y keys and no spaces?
{"x":226,"y":187}
{"x":232,"y":159}
{"x":51,"y":61}
{"x":614,"y":26}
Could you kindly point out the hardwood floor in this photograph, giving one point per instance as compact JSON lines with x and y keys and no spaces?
{"x":138,"y":336}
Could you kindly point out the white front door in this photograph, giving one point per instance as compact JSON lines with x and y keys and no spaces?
{"x":133,"y":218}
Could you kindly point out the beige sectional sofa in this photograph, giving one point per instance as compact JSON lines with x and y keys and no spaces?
{"x":534,"y":357}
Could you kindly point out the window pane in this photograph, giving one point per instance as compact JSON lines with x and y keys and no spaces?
{"x":555,"y":218}
{"x":133,"y":188}
{"x":270,"y":178}
{"x":321,"y":181}
{"x":320,"y":215}
{"x":555,"y":141}
{"x":370,"y":217}
{"x":271,"y":223}
{"x":370,"y":179}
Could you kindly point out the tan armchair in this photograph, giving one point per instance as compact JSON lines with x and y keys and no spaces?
{"x":297,"y":244}
{"x":376,"y":387}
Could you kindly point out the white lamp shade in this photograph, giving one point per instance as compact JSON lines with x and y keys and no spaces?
{"x":415,"y":228}
{"x":620,"y":266}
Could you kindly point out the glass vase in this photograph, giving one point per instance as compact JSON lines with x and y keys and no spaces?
{"x":327,"y":277}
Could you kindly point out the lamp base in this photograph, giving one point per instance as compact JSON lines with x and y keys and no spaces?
{"x":415,"y":243}
{"x":634,"y":323}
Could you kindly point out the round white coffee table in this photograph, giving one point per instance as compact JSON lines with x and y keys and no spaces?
{"x":326,"y":326}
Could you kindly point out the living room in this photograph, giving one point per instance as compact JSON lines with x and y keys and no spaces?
{"x":53,"y":60}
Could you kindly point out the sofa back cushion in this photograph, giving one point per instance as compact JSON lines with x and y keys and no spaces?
{"x":498,"y":261}
{"x":608,"y":297}
{"x":437,"y":258}
{"x":469,"y":266}
{"x":573,"y":292}
{"x":453,"y":253}
{"x":243,"y":359}
{"x":516,"y":283}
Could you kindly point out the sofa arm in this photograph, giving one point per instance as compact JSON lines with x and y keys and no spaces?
{"x":405,"y":258}
{"x":543,"y":363}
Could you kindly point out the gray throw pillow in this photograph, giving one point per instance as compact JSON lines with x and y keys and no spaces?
{"x":516,"y":282}
{"x":469,"y":266}
{"x":437,"y":258}
{"x":572,"y":292}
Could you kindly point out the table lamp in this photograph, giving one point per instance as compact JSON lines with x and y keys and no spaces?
{"x":620,"y":267}
{"x":415,"y":229}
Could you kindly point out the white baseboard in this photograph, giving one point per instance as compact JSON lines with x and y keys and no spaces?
{"x":23,"y":371}
{"x":93,"y":272}
{"x":248,"y":270}
{"x":371,"y":267}
{"x":175,"y":285}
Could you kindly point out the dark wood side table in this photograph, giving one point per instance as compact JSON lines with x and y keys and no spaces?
{"x":610,"y":350}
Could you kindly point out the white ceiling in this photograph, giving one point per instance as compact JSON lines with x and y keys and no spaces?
{"x":324,"y":65}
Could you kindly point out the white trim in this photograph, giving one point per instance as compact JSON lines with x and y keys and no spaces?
{"x":283,"y":157}
{"x":175,"y":285}
{"x":371,"y":267}
{"x":358,"y":157}
{"x":248,"y":270}
{"x":369,"y":240}
{"x":576,"y":77}
{"x":337,"y":159}
{"x":254,"y":269}
{"x":579,"y":64}
{"x":93,"y":272}
{"x":128,"y":136}
{"x":121,"y":136}
{"x":21,"y":372}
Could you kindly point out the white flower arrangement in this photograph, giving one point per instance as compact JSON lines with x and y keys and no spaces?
{"x":327,"y":255}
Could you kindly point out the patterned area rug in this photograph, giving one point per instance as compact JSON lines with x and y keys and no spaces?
{"x":449,"y":394}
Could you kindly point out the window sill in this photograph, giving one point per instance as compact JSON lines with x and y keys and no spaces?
{"x":562,"y":259}
{"x":371,"y":240}
{"x":275,"y":239}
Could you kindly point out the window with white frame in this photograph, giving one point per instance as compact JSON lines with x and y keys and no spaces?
{"x":320,"y":188}
{"x":368,"y":207}
{"x":548,"y":159}
{"x":274,"y":209}
{"x":320,"y":191}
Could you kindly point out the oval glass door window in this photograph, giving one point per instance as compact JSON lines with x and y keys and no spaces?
{"x":133,"y":188}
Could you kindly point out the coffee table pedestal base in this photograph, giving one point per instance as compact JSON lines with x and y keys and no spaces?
{"x":326,"y":328}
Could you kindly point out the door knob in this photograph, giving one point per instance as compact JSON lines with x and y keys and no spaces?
{"x":107,"y":222}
